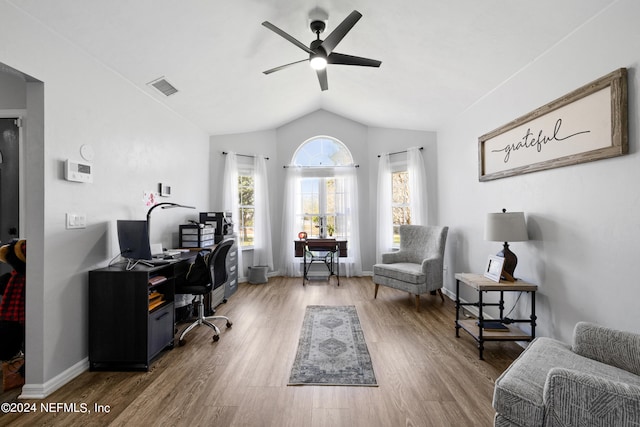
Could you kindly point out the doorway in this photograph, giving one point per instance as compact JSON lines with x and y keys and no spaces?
{"x":9,"y":183}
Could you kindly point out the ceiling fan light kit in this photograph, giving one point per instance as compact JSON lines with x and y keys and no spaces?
{"x":318,"y":62}
{"x":321,"y":51}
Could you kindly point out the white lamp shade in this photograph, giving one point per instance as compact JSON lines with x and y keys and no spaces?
{"x":506,"y":227}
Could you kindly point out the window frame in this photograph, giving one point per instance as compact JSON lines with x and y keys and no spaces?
{"x":399,"y":165}
{"x":321,"y":170}
{"x":245,"y":170}
{"x":321,"y":196}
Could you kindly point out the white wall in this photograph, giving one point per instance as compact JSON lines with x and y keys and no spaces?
{"x":583,"y":219}
{"x":138,"y":143}
{"x":14,"y":94}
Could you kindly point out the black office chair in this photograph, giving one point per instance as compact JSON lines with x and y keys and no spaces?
{"x":217,"y":268}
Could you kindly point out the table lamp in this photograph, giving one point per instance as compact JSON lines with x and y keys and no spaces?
{"x":506,"y":227}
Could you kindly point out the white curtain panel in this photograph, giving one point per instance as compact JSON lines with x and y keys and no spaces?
{"x":230,"y":199}
{"x":289,"y":265}
{"x":417,"y":186}
{"x":384,"y":237}
{"x":352,"y":263}
{"x":262,"y":248}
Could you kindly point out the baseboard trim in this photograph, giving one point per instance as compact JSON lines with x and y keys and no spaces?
{"x":41,"y":391}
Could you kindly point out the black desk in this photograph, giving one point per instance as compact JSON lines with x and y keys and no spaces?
{"x":131,"y":313}
{"x":326,"y":251}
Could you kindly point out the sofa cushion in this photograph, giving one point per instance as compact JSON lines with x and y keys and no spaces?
{"x":518,"y":393}
{"x":403,"y":271}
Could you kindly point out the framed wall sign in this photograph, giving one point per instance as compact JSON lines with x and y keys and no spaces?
{"x":588,"y":124}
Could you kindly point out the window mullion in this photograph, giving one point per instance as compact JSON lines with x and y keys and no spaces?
{"x":322,"y":204}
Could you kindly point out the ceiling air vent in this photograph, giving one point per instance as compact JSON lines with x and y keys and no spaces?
{"x":162,"y":85}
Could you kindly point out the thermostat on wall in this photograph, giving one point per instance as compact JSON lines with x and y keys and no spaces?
{"x":78,"y":172}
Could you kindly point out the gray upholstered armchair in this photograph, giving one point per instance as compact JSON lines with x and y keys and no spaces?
{"x":594,"y":382}
{"x":417,"y":266}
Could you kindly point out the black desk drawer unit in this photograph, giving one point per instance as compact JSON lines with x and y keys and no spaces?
{"x":131,"y":314}
{"x":161,"y":323}
{"x":232,"y":272}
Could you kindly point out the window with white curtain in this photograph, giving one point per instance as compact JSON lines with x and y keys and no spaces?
{"x":245,"y":193}
{"x":321,"y":199}
{"x":402,"y":196}
{"x":322,"y":195}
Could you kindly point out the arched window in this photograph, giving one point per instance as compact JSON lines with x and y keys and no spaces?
{"x":321,"y":198}
{"x":322,"y":193}
{"x":322,"y":151}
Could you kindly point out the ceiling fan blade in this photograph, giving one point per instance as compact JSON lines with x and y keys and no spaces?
{"x":340,"y":58}
{"x":322,"y":78}
{"x":273,"y":70}
{"x":281,"y":33}
{"x":340,"y":31}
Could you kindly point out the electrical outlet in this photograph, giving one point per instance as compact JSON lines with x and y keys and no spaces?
{"x":76,"y":220}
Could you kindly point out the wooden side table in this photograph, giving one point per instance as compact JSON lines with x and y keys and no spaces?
{"x":475,"y":327}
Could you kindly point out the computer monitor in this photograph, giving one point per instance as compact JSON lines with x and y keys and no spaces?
{"x":133,"y":237}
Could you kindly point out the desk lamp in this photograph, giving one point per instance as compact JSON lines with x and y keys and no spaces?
{"x":165,"y":205}
{"x":506,"y":227}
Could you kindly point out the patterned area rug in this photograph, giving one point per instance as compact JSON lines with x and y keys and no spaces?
{"x":332,"y":350}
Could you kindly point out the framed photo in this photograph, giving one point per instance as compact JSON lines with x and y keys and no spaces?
{"x":493,"y":269}
{"x":590,"y":123}
{"x":164,"y":190}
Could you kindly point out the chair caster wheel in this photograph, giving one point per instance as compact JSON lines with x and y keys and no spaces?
{"x":229,"y":324}
{"x":216,"y":338}
{"x":181,"y":342}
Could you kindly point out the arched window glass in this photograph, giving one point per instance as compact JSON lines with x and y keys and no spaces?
{"x":322,"y":151}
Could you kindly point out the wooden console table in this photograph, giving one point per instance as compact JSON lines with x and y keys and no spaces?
{"x":475,"y":327}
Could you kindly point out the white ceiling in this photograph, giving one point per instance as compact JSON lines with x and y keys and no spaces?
{"x":438,"y":57}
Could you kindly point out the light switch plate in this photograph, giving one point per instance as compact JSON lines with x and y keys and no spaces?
{"x":76,"y":220}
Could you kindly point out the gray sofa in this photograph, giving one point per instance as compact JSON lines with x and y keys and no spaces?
{"x":595,"y":382}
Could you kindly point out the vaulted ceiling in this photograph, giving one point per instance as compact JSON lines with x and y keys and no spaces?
{"x":438,"y":57}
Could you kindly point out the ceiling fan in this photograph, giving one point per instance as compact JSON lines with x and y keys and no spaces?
{"x":321,"y":51}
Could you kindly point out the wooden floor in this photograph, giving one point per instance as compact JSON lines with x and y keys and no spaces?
{"x":426,"y":376}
